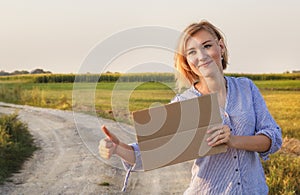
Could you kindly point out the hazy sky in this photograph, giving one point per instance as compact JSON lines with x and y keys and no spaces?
{"x":57,"y":35}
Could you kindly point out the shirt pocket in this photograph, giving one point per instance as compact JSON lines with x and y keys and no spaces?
{"x":243,"y":122}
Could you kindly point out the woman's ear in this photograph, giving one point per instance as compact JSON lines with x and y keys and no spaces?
{"x":222,"y":46}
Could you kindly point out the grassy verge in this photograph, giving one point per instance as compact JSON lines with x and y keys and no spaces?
{"x":16,"y":145}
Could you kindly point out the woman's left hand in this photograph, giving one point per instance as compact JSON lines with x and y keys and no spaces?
{"x":219,"y":135}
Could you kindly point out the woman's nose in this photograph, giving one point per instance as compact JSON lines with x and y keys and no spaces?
{"x":202,"y":55}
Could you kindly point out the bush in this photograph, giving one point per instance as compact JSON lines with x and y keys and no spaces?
{"x":16,"y":145}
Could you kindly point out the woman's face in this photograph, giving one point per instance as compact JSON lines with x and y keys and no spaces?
{"x":204,"y":54}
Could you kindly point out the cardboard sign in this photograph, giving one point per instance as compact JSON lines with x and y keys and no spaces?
{"x":176,"y":132}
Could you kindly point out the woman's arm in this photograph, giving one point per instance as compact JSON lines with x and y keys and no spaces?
{"x":222,"y":135}
{"x":256,"y":143}
{"x":126,"y":152}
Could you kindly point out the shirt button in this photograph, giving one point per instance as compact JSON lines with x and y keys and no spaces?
{"x":226,"y":115}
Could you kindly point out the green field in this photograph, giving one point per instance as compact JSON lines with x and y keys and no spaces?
{"x":282,"y":98}
{"x":293,"y":85}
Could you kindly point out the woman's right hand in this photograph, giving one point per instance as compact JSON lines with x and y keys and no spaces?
{"x":108,"y":146}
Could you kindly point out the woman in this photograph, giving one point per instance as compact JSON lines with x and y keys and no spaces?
{"x":248,"y":129}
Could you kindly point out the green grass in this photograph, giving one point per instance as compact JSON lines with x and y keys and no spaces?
{"x":41,"y":86}
{"x":279,"y":84}
{"x":16,"y":145}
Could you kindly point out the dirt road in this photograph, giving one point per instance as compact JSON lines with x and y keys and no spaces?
{"x":64,"y":165}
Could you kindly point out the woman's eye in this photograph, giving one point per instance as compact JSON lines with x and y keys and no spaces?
{"x":191,"y":53}
{"x":207,"y":46}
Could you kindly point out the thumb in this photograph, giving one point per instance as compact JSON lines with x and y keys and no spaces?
{"x":111,"y":136}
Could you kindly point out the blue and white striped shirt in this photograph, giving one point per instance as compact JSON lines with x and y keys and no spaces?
{"x":235,"y":171}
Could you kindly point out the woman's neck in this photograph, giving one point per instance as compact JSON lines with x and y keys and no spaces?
{"x":213,"y":85}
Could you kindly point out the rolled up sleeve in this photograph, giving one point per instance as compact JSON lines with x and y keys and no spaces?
{"x":138,"y":166}
{"x":265,"y":124}
{"x":276,"y":141}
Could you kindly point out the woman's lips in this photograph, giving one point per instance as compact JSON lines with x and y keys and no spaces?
{"x":204,"y":64}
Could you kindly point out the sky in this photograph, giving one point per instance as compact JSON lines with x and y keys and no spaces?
{"x":59,"y":35}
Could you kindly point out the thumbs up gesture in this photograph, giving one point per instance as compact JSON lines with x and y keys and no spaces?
{"x":112,"y":145}
{"x":108,"y":146}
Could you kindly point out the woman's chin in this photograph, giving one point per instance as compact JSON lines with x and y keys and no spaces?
{"x":210,"y":70}
{"x":207,"y":72}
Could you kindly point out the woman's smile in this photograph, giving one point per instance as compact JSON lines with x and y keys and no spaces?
{"x":204,"y":65}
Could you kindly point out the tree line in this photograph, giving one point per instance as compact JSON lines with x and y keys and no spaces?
{"x":132,"y":77}
{"x":105,"y":77}
{"x":24,"y":72}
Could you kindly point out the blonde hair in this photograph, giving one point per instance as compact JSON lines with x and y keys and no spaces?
{"x":184,"y":75}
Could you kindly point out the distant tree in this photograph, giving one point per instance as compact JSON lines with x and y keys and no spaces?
{"x":3,"y":73}
{"x":24,"y":72}
{"x":39,"y":71}
{"x":17,"y":72}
